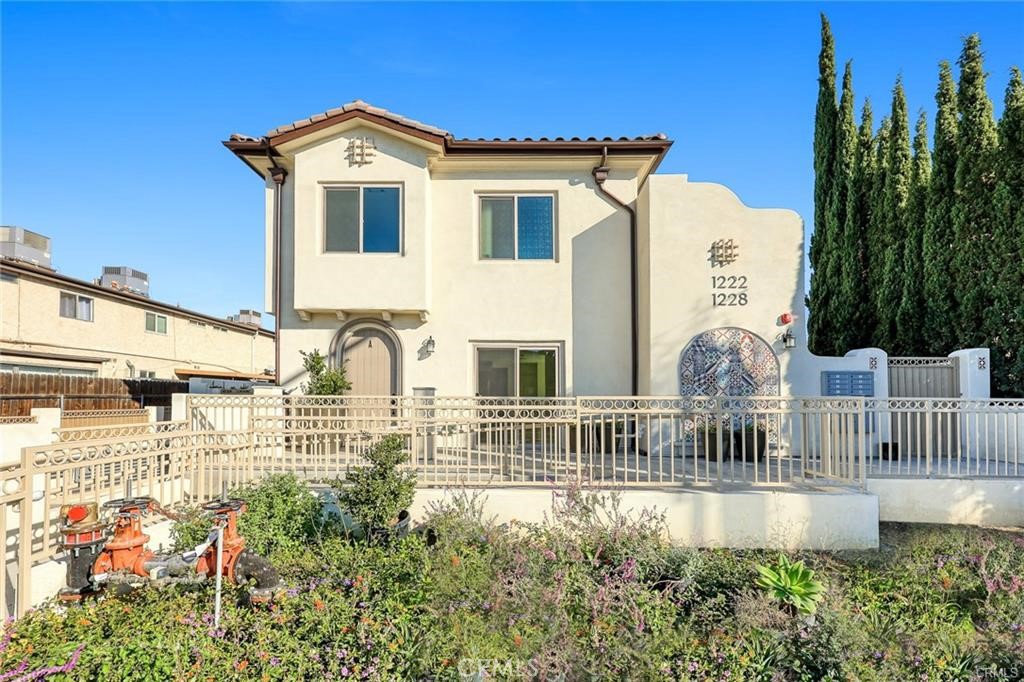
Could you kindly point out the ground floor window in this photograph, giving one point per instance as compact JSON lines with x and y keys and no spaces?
{"x":46,"y":369}
{"x":513,"y":370}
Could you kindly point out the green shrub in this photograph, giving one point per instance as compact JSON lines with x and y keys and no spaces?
{"x":282,"y":513}
{"x":791,"y":583}
{"x":323,"y":380}
{"x":375,"y":494}
{"x":591,"y":594}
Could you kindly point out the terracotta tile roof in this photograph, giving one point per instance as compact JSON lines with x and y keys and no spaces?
{"x":403,"y":121}
{"x":360,"y":105}
{"x":638,"y":138}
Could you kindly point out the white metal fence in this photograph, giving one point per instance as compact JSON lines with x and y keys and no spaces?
{"x":500,"y":441}
{"x":613,"y":441}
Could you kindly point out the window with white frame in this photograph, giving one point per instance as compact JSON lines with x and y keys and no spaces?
{"x":75,"y":307}
{"x":147,"y":374}
{"x":156,"y":323}
{"x":517,"y":227}
{"x":526,"y":371}
{"x":364,"y":219}
{"x":46,"y":369}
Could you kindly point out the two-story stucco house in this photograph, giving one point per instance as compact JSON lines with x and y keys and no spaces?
{"x":520,"y":267}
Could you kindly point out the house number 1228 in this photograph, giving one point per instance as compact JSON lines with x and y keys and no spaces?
{"x":731,"y":290}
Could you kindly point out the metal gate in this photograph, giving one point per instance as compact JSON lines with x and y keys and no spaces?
{"x":924,"y":378}
{"x":919,"y":377}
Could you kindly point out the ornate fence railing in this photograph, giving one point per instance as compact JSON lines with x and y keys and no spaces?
{"x":606,"y":441}
{"x":500,"y":441}
{"x":82,"y":433}
{"x":945,"y":437}
{"x":76,"y":418}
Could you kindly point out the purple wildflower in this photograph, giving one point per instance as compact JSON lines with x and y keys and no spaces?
{"x":54,"y":669}
{"x":20,"y":669}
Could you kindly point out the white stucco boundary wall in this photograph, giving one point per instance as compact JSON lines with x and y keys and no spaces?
{"x":779,"y":519}
{"x":963,"y":501}
{"x":14,"y":437}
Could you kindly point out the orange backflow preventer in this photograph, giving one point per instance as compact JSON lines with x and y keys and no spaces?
{"x":233,"y":543}
{"x":126,"y":550}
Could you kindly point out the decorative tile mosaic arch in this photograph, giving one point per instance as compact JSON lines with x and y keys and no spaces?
{"x":728,"y":361}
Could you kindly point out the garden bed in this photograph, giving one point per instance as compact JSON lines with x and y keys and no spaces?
{"x":593,"y":594}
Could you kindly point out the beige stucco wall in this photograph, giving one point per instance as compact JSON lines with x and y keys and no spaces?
{"x":328,"y":281}
{"x":963,"y":501}
{"x":783,"y":519}
{"x":679,"y":222}
{"x":30,"y":321}
{"x":579,"y":301}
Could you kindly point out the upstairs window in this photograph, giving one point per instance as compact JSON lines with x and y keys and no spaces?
{"x":362,"y":219}
{"x":517,"y":227}
{"x":156,"y":323}
{"x":76,"y":307}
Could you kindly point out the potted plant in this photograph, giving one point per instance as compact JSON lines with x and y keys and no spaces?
{"x":378,"y":496}
{"x":753,"y":442}
{"x":706,"y":438}
{"x":323,"y":380}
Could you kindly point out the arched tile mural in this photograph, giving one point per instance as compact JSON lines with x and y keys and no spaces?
{"x":728,"y":361}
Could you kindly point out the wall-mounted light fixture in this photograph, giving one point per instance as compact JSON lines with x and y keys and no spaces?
{"x":788,"y":339}
{"x":428,"y":346}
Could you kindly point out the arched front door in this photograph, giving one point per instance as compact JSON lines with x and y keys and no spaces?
{"x":370,"y":354}
{"x":728,"y":361}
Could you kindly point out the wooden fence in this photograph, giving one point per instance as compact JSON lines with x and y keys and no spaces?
{"x":20,"y":392}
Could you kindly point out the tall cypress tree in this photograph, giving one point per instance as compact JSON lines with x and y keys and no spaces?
{"x":973,"y":209}
{"x":896,"y":193}
{"x":939,"y":284}
{"x":856,"y":333}
{"x":910,"y":315}
{"x":877,"y":231}
{"x":824,"y":150}
{"x":1006,"y":324}
{"x":844,"y":248}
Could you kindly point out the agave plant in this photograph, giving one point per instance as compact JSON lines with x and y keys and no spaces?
{"x":792,"y":583}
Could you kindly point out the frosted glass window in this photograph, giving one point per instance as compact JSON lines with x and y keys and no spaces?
{"x":517,"y":227}
{"x":535,"y":228}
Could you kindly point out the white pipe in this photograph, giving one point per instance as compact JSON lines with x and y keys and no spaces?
{"x":220,"y":568}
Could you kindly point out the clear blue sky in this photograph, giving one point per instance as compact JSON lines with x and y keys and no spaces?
{"x":112,"y":114}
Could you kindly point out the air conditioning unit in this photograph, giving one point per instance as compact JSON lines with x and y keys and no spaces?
{"x":17,"y":243}
{"x":123,"y":278}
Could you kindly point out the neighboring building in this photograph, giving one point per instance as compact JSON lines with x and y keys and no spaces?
{"x":52,"y":323}
{"x":504,"y":267}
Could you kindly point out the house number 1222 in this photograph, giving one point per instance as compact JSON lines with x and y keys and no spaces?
{"x":731,"y":290}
